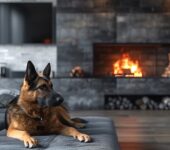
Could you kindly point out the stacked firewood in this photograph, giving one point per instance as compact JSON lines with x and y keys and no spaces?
{"x":119,"y":103}
{"x":167,"y":69}
{"x":143,"y":103}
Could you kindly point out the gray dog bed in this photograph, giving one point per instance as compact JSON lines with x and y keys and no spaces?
{"x":101,"y":129}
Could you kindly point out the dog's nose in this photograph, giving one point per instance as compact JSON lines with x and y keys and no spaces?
{"x":55,"y":100}
{"x":59,"y":100}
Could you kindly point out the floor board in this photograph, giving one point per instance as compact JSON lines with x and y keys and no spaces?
{"x":138,"y":130}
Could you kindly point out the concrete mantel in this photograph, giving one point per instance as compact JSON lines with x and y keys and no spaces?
{"x":88,"y":93}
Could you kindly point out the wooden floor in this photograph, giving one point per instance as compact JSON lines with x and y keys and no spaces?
{"x":138,"y":130}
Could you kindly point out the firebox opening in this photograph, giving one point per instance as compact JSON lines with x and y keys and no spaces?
{"x":130,"y":60}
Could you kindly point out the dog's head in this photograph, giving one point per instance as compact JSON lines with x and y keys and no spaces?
{"x":38,"y":88}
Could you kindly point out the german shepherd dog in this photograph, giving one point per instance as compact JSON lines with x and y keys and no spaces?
{"x":36,"y":113}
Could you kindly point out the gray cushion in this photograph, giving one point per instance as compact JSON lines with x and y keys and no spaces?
{"x":6,"y":95}
{"x":2,"y":118}
{"x":101,"y":129}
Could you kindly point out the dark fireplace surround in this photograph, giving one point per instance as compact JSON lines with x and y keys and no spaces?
{"x":134,"y":92}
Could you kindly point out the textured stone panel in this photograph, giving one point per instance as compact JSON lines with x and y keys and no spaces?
{"x":73,"y":6}
{"x":143,"y":28}
{"x":76,"y":33}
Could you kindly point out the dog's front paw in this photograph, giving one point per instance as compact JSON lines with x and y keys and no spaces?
{"x":30,"y":142}
{"x":83,"y":137}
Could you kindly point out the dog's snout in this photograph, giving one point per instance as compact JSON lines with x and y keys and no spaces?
{"x":59,"y":99}
{"x":55,"y":99}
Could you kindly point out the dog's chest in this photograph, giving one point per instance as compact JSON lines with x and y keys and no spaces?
{"x":48,"y":122}
{"x":32,"y":125}
{"x":36,"y":126}
{"x":41,"y":124}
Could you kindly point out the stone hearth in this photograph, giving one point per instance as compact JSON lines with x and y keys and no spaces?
{"x":89,"y":93}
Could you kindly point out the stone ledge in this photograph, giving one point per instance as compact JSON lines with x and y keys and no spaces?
{"x":88,"y":93}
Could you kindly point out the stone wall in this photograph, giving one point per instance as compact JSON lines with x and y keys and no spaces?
{"x":76,"y":33}
{"x":143,"y":28}
{"x":81,"y":23}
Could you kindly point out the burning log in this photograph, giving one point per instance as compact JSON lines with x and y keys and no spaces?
{"x":126,"y":67}
{"x":126,"y":73}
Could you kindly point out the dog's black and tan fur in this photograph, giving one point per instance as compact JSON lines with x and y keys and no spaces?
{"x":32,"y":113}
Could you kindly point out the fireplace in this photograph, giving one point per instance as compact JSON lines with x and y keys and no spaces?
{"x":130,"y":60}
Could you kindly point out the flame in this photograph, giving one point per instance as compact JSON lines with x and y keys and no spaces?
{"x":127,"y":67}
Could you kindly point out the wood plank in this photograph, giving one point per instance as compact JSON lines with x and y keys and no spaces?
{"x":143,"y":146}
{"x":138,"y":130}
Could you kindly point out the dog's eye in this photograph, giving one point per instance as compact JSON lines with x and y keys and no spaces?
{"x":43,"y":87}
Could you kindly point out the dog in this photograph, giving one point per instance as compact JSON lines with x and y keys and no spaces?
{"x":37,"y":111}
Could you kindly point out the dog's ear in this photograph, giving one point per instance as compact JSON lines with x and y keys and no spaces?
{"x":31,"y":73}
{"x":47,"y":71}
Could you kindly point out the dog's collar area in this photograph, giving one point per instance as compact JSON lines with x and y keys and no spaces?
{"x":40,"y":118}
{"x":41,"y":124}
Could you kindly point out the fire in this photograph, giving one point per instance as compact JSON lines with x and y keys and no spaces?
{"x":127,"y":67}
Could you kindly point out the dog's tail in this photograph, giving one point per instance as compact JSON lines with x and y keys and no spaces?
{"x":79,"y":120}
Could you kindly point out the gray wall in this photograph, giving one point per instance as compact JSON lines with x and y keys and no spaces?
{"x":16,"y":56}
{"x":76,"y":33}
{"x":4,"y":24}
{"x":80,"y":23}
